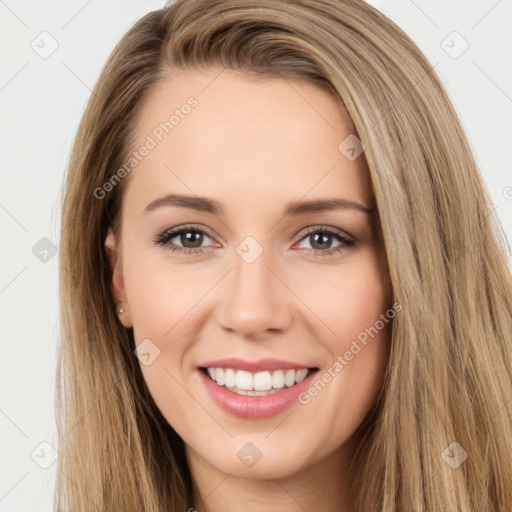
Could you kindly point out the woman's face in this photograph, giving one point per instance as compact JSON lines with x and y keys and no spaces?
{"x":262,"y":279}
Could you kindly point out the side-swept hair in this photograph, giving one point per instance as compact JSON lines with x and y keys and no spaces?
{"x":449,"y":376}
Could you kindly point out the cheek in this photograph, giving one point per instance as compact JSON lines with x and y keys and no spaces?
{"x":162,"y":300}
{"x":351,"y":299}
{"x":165,"y":301}
{"x":356,"y":308}
{"x":160,"y":295}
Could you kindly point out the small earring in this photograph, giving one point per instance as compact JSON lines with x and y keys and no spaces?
{"x":121,"y":311}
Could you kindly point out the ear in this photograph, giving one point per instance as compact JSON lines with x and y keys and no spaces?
{"x":117,"y":285}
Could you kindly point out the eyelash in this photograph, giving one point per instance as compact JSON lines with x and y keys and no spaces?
{"x":164,"y":238}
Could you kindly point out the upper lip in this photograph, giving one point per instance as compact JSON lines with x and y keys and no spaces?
{"x":260,"y":365}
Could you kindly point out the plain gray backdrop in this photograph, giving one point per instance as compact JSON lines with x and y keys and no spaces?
{"x":51,"y":56}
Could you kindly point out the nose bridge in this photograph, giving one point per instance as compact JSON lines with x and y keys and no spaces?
{"x":251,"y":276}
{"x":256,"y":300}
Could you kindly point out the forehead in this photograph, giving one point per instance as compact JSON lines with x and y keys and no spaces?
{"x":230,"y":135}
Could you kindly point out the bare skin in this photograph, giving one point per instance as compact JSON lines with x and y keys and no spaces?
{"x":254,"y":146}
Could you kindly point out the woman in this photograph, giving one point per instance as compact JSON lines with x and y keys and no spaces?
{"x":211,"y":360}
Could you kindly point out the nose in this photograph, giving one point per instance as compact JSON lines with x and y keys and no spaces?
{"x":256,"y":301}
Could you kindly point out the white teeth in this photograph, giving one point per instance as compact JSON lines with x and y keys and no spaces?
{"x":262,"y":381}
{"x":256,"y":384}
{"x":219,"y":376}
{"x":289,"y":378}
{"x":278,"y":379}
{"x":230,"y":378}
{"x":244,"y":380}
{"x":301,"y":375}
{"x":251,"y":392}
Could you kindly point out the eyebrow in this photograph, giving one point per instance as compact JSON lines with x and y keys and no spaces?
{"x":294,"y":208}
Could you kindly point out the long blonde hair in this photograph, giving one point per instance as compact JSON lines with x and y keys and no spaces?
{"x":449,"y":374}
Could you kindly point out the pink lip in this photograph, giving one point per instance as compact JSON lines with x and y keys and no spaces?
{"x":254,"y":407}
{"x":254,"y":366}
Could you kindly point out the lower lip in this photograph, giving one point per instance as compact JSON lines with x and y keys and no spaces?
{"x":254,"y":407}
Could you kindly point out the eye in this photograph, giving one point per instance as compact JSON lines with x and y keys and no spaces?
{"x":189,"y":239}
{"x":190,"y":236}
{"x":320,"y":240}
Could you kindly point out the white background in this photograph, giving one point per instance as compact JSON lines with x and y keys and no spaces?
{"x":41,"y":102}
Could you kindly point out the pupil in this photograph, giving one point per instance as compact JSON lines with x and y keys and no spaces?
{"x":323,"y":239}
{"x":192,"y":237}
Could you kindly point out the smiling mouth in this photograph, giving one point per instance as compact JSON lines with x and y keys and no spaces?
{"x":262,"y":383}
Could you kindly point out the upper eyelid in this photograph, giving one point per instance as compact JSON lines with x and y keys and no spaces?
{"x":321,"y":227}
